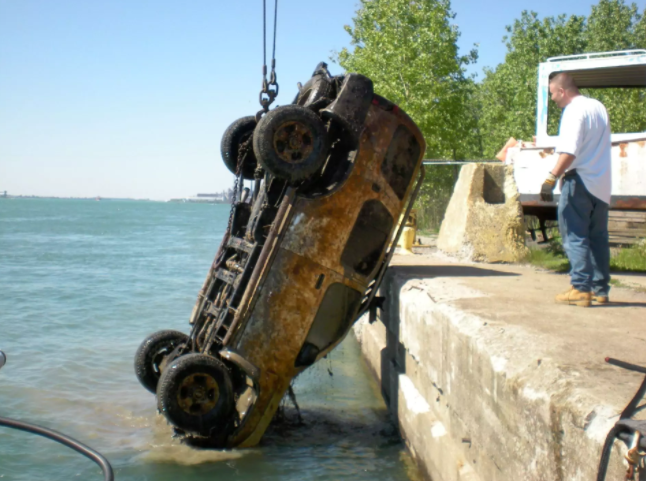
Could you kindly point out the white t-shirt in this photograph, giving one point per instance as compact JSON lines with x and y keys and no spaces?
{"x":585,"y":133}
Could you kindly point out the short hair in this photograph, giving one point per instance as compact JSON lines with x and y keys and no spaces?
{"x":564,"y":80}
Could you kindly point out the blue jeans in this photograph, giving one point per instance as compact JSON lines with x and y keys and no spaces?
{"x":583,"y":223}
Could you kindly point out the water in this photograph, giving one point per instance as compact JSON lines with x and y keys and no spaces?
{"x":81,"y":284}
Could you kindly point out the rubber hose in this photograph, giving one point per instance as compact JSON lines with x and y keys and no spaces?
{"x":77,"y":446}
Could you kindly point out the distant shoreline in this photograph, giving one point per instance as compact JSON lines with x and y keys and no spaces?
{"x":9,"y":197}
{"x":113,"y":199}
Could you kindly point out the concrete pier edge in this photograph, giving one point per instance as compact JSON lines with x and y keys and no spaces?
{"x":480,"y":399}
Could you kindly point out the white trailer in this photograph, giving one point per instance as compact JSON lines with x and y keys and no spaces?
{"x":533,"y":161}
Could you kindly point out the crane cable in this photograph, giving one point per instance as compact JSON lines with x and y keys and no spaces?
{"x":269,"y":90}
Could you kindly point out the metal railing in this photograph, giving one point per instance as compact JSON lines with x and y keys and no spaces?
{"x":590,"y":55}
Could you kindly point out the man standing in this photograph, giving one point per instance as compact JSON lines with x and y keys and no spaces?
{"x":584,"y":161}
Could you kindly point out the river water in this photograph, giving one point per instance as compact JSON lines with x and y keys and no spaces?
{"x":81,"y":284}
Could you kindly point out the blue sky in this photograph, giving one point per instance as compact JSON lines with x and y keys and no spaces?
{"x":129,"y":98}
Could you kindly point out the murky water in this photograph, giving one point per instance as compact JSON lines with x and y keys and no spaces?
{"x":81,"y":284}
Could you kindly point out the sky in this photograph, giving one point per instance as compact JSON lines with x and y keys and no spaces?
{"x":130,"y":98}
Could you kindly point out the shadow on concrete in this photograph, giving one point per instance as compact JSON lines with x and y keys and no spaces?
{"x":427,"y":272}
{"x":393,"y":356}
{"x":621,"y":304}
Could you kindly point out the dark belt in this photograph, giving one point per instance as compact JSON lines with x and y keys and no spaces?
{"x":569,"y":173}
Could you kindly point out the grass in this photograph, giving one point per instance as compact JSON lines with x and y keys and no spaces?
{"x":630,"y":259}
{"x":552,"y":257}
{"x":617,"y":283}
{"x":428,"y":232}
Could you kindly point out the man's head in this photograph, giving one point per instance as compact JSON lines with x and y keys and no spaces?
{"x":563,"y":89}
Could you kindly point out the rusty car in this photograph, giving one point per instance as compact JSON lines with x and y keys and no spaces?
{"x":302,"y":259}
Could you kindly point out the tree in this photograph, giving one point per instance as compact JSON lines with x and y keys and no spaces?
{"x":408,"y":48}
{"x":612,"y":25}
{"x":507,"y":95}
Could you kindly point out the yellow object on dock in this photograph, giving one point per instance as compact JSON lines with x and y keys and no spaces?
{"x":407,"y":238}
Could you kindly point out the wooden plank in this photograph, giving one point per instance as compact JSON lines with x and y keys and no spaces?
{"x":622,"y":236}
{"x":622,"y":240}
{"x":626,"y":225}
{"x":628,"y":232}
{"x":627,"y":213}
{"x":633,"y":220}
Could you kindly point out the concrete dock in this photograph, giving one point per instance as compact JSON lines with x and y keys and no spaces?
{"x":490,"y":380}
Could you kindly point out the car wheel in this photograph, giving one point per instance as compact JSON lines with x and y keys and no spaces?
{"x":237,"y":133}
{"x":315,"y":89}
{"x":195,"y":394}
{"x":152,"y":353}
{"x":291,"y":143}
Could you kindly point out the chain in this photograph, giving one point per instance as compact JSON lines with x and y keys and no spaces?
{"x":269,"y":90}
{"x":242,"y":152}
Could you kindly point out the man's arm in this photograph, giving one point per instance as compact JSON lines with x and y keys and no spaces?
{"x":563,"y":164}
{"x":570,"y":137}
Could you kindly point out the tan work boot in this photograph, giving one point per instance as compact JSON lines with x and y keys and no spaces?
{"x":574,"y":297}
{"x":600,"y":299}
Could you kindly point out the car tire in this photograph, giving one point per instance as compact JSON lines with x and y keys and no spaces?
{"x":291,"y":143}
{"x":151,"y":354}
{"x":195,"y":394}
{"x":315,"y":89}
{"x":238,"y":132}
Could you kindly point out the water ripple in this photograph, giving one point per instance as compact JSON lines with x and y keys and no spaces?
{"x":82,"y":283}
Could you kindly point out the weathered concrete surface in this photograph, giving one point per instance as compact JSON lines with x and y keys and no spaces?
{"x":484,"y":219}
{"x":491,"y":381}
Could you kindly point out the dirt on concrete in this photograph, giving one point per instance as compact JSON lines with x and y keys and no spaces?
{"x":522,"y":297}
{"x":491,"y":380}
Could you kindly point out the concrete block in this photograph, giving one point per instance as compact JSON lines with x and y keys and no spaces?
{"x":484,"y":219}
{"x":480,"y":393}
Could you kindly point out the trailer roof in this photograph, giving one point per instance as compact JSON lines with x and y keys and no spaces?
{"x":625,"y":69}
{"x":608,"y":77}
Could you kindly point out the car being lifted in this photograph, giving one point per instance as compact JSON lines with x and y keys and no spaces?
{"x":301,"y":261}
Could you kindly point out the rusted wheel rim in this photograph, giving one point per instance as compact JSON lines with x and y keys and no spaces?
{"x":198,"y":394}
{"x":293,"y":142}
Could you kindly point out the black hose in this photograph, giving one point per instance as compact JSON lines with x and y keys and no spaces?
{"x":624,"y":419}
{"x":86,"y":451}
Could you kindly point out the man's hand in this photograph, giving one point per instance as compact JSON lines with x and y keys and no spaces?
{"x":547,"y":188}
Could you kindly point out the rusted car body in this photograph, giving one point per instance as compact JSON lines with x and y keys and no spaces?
{"x":301,"y":263}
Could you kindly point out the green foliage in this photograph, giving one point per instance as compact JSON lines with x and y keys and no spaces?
{"x":631,"y":258}
{"x":409,"y":50}
{"x":435,"y":195}
{"x":552,"y":256}
{"x":546,"y":259}
{"x":507,"y":95}
{"x":612,"y":25}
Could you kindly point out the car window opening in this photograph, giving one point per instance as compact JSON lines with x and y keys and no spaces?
{"x":399,"y":163}
{"x":369,"y":235}
{"x":333,"y":319}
